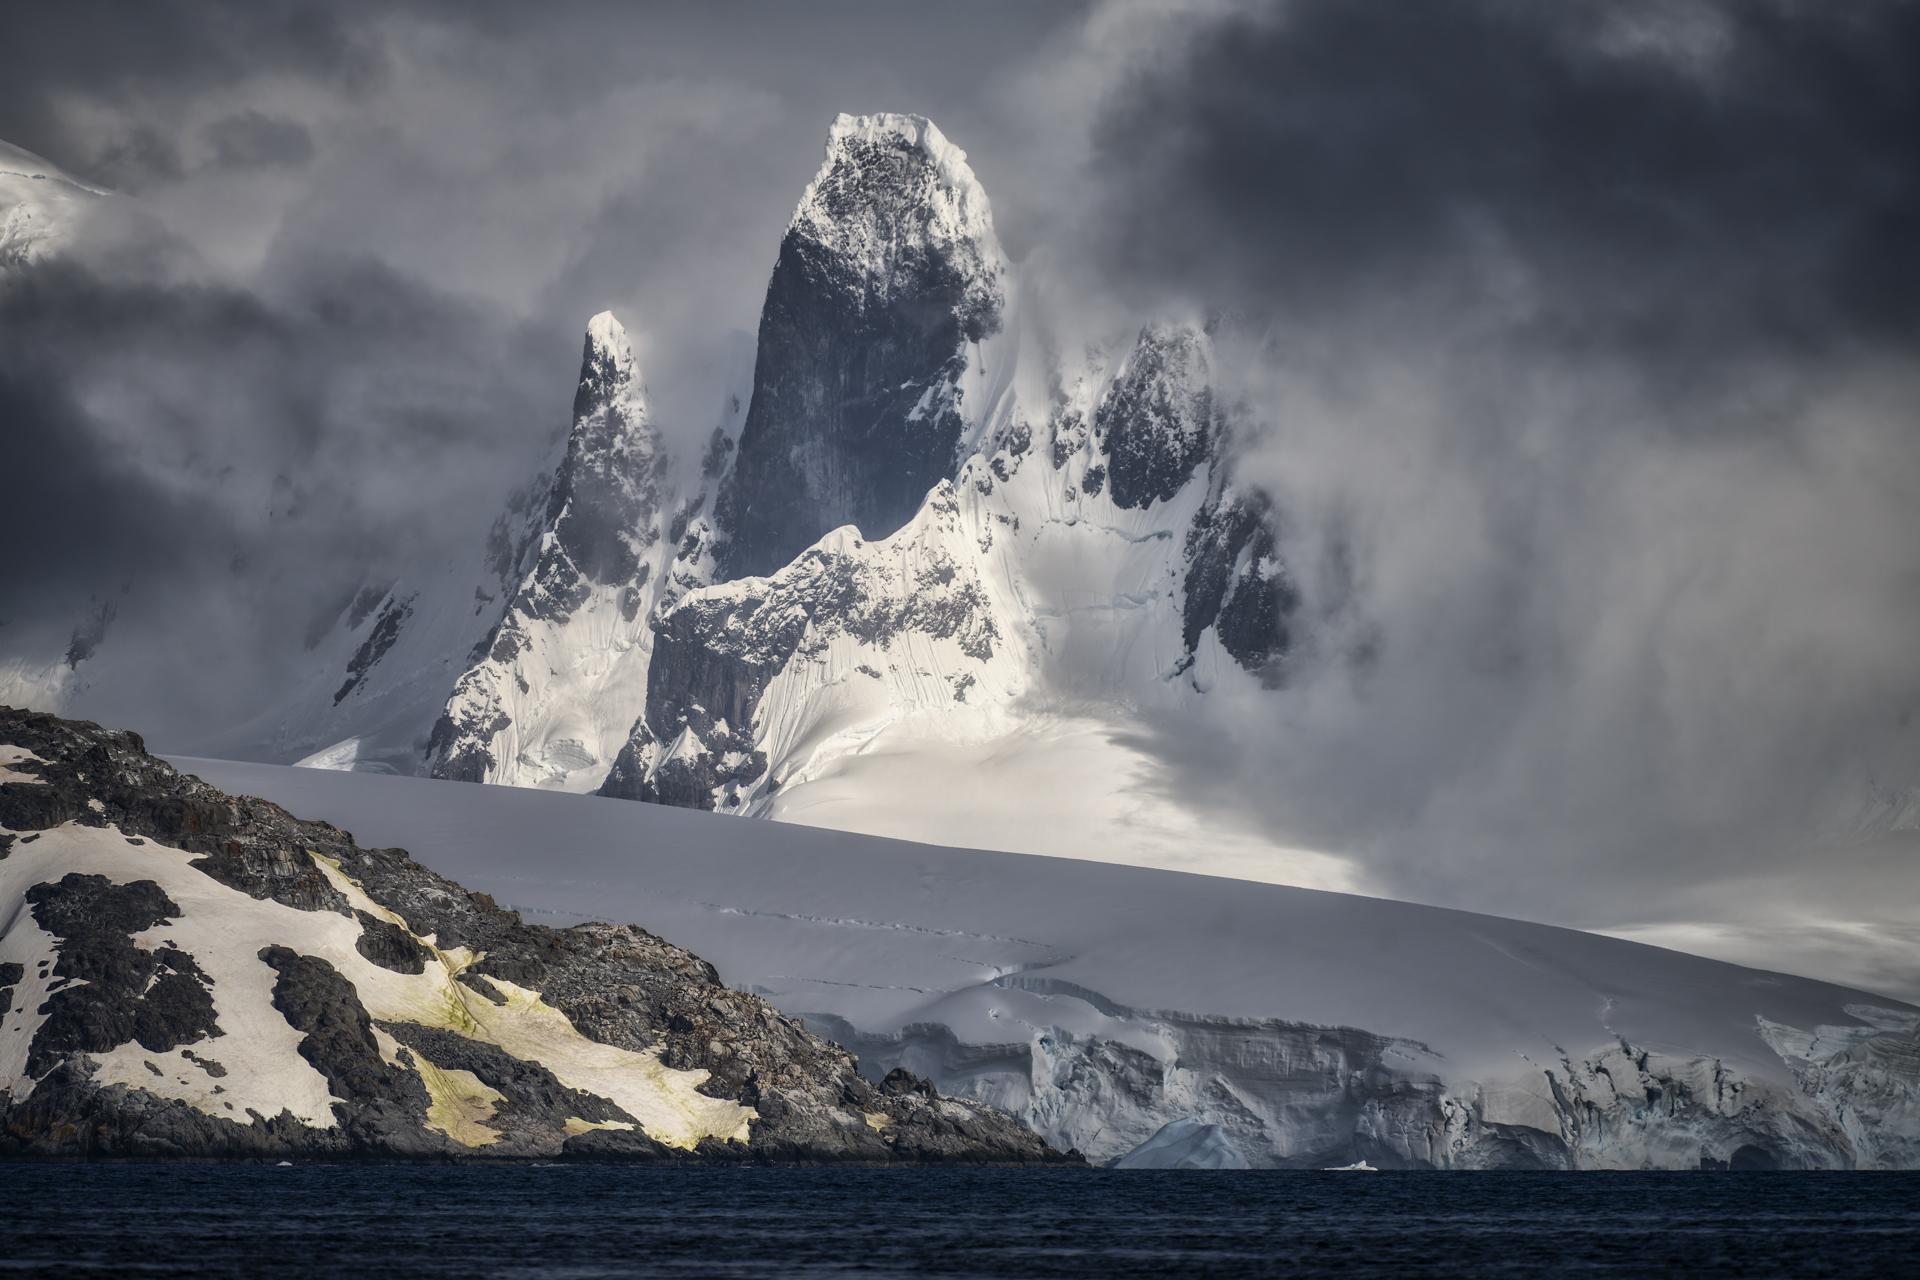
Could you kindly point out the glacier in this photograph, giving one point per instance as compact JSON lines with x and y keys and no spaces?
{"x":1154,"y":1017}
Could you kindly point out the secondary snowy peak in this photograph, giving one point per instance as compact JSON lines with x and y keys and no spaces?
{"x":758,"y":672}
{"x":550,"y":692}
{"x":608,"y":488}
{"x":1156,"y":441}
{"x":38,"y":206}
{"x":888,"y":276}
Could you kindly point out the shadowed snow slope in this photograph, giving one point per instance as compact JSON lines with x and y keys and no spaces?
{"x":1102,"y":1003}
{"x":39,"y":205}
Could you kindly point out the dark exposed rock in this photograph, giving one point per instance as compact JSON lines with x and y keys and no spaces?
{"x":901,"y":1081}
{"x":90,"y":633}
{"x":459,"y":747}
{"x":363,"y":603}
{"x":477,"y":983}
{"x":1156,"y":423}
{"x":338,"y":1034}
{"x":10,"y":976}
{"x":719,"y":453}
{"x":386,"y":630}
{"x":119,"y":990}
{"x":1237,"y":584}
{"x":854,"y":414}
{"x":1069,"y":432}
{"x":390,"y":946}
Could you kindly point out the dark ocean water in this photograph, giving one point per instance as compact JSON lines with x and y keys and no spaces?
{"x":585,"y":1221}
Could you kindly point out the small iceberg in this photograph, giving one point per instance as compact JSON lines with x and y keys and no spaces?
{"x":1358,"y":1166}
{"x":1184,"y":1144}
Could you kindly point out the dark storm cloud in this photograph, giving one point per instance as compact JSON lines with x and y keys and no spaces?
{"x":340,"y":314}
{"x":1674,"y":176}
{"x":128,"y":56}
{"x":85,"y":517}
{"x":224,"y":463}
{"x":1584,"y":336}
{"x":255,"y":140}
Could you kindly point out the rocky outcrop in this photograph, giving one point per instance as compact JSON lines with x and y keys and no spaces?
{"x":1156,"y":424}
{"x":1237,"y":584}
{"x":888,"y":271}
{"x":386,"y":629}
{"x":193,"y":973}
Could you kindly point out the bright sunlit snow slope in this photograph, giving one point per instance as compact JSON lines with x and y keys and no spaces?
{"x":1103,"y":1002}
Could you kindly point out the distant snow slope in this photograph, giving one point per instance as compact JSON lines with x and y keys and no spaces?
{"x":39,"y":205}
{"x":1103,"y":1003}
{"x":1085,"y":790}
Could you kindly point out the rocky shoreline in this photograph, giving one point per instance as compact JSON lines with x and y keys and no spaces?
{"x":189,"y":974}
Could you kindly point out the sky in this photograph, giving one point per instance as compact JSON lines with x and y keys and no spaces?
{"x":1579,"y":343}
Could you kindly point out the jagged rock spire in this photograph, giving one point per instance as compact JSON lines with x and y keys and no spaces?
{"x":592,"y":565}
{"x":888,"y":270}
{"x":607,"y":490}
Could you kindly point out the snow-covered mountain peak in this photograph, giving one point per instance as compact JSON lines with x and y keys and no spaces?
{"x":606,"y":335}
{"x":893,"y":129}
{"x":610,"y":381}
{"x":613,"y":453}
{"x":892,"y":193}
{"x":889,"y":278}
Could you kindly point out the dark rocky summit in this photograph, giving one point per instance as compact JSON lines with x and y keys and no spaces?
{"x":882,"y":279}
{"x":134,"y":882}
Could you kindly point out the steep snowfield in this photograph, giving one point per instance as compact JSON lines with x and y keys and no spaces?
{"x":39,"y":206}
{"x":366,"y":695}
{"x":1103,"y":1003}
